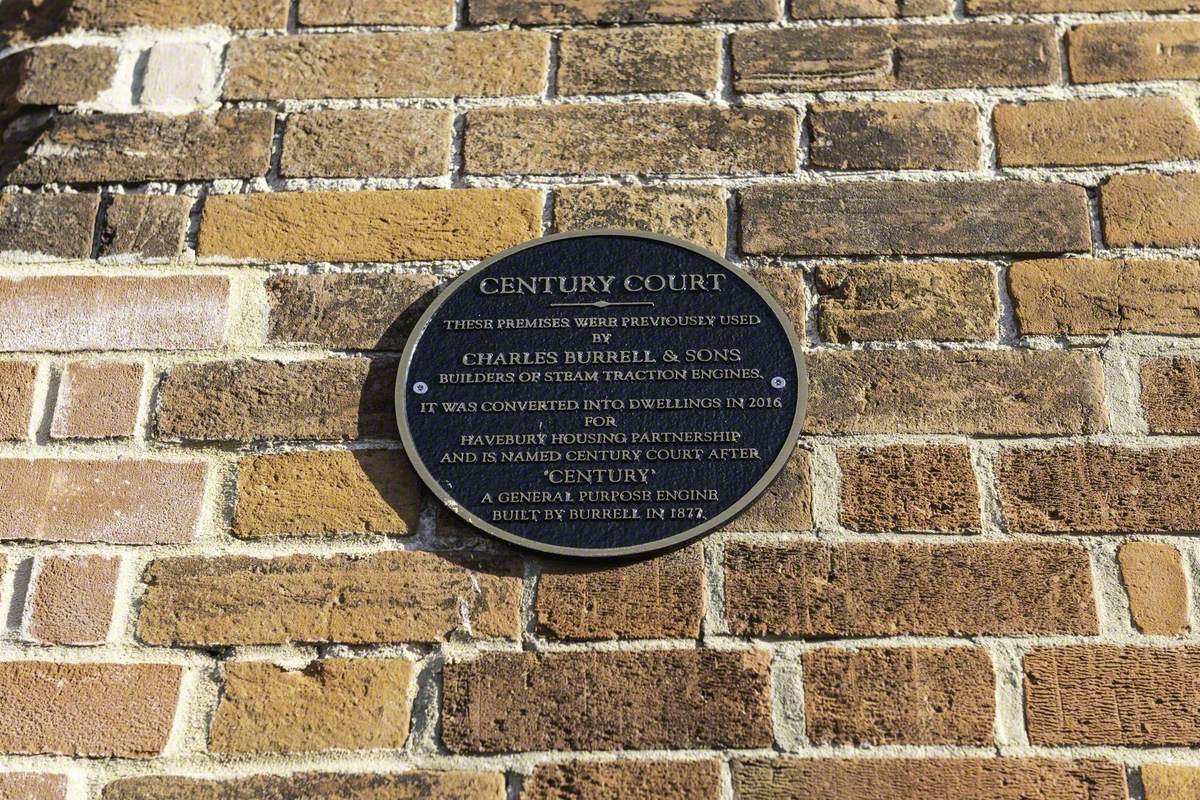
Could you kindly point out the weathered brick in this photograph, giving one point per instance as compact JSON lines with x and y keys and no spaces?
{"x":336,"y":703}
{"x":311,"y":494}
{"x":237,"y":14}
{"x":943,"y":778}
{"x":898,"y":301}
{"x":1096,"y":489}
{"x":410,"y":785}
{"x":1113,"y":130}
{"x":629,"y":137}
{"x":1079,"y":297}
{"x":104,"y":148}
{"x":1157,"y":587}
{"x":903,"y":695}
{"x":901,"y":217}
{"x":537,"y":12}
{"x":358,"y":311}
{"x":366,"y":143}
{"x":1171,"y":394}
{"x":16,"y":398}
{"x":1146,"y":210}
{"x":786,"y":505}
{"x":407,"y":225}
{"x":77,"y":312}
{"x":695,"y":214}
{"x":890,"y":57}
{"x":997,"y":392}
{"x":835,"y":9}
{"x":1082,"y":6}
{"x":1112,"y":695}
{"x":659,"y":598}
{"x":61,"y":75}
{"x":386,"y":597}
{"x":628,"y":780}
{"x":32,"y":786}
{"x":810,"y":589}
{"x":179,"y":76}
{"x":376,"y":12}
{"x":97,"y":401}
{"x":1170,"y":782}
{"x":616,"y":60}
{"x":1134,"y":51}
{"x":908,"y":488}
{"x":55,"y":225}
{"x":642,"y":700}
{"x":786,"y":286}
{"x":84,"y":500}
{"x":145,"y":226}
{"x":334,"y":398}
{"x":89,"y":710}
{"x":881,"y":135}
{"x":71,"y":599}
{"x":408,"y":64}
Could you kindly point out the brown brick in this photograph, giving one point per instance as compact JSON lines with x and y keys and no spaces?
{"x":1112,"y":695}
{"x":1170,"y":782}
{"x":120,"y":502}
{"x":1171,"y":393}
{"x":145,"y":226}
{"x":812,"y":590}
{"x":1078,"y":297}
{"x":1095,"y":489}
{"x":1134,"y":51}
{"x":75,"y":312}
{"x":904,"y":695}
{"x":908,"y":488}
{"x":410,"y":785}
{"x":31,"y":786}
{"x":16,"y":399}
{"x":357,"y":311}
{"x":405,"y":225}
{"x":786,"y":505}
{"x":88,"y":710}
{"x":311,"y":494}
{"x":537,"y":12}
{"x":336,"y":703}
{"x":659,"y":598}
{"x":1144,"y":210}
{"x":786,"y":286}
{"x":334,"y":398}
{"x":901,"y":217}
{"x":997,"y":392}
{"x":376,"y":12}
{"x":1157,"y":587}
{"x":899,"y":301}
{"x":943,"y":778}
{"x":104,"y":148}
{"x":834,"y":9}
{"x":1114,"y":130}
{"x":695,"y":214}
{"x":61,"y":75}
{"x":628,"y":780}
{"x":1082,"y":6}
{"x":887,"y":57}
{"x":629,"y":137}
{"x":642,"y":700}
{"x":97,"y":401}
{"x":237,"y":14}
{"x":617,"y":61}
{"x":385,"y":597}
{"x":880,"y":135}
{"x":71,"y":599}
{"x":407,"y":64}
{"x":368,"y":143}
{"x":55,"y":225}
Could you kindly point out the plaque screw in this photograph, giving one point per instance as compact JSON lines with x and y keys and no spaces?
{"x":778,"y":382}
{"x":420,"y":388}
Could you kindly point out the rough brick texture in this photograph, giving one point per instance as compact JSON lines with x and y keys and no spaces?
{"x":786,"y":505}
{"x":1157,"y":587}
{"x":409,"y":142}
{"x":639,"y":60}
{"x":414,"y":785}
{"x":16,"y":398}
{"x":144,"y":227}
{"x":376,"y":12}
{"x":894,"y":135}
{"x":1170,"y":781}
{"x":535,"y":12}
{"x":908,"y":488}
{"x":632,"y":780}
{"x":1170,"y":390}
{"x":1133,"y":51}
{"x":71,"y":599}
{"x":32,"y":786}
{"x":697,"y":215}
{"x":53,"y":225}
{"x":63,"y":75}
{"x":1145,"y":210}
{"x":108,"y":14}
{"x":97,"y":401}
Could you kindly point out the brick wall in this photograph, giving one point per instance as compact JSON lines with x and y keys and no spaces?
{"x":222,"y":579}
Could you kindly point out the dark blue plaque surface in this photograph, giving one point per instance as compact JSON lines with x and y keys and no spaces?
{"x":601,"y":394}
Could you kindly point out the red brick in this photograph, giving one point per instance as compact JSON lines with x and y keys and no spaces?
{"x":87,"y":710}
{"x":1134,"y":51}
{"x":62,"y":313}
{"x":908,"y":488}
{"x":97,"y":401}
{"x":538,"y":12}
{"x":48,"y":225}
{"x":16,"y":398}
{"x":31,"y":786}
{"x":815,"y":590}
{"x":628,"y":780}
{"x":71,"y":599}
{"x":1171,"y":394}
{"x":408,"y":785}
{"x":85,"y":500}
{"x":1148,"y":210}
